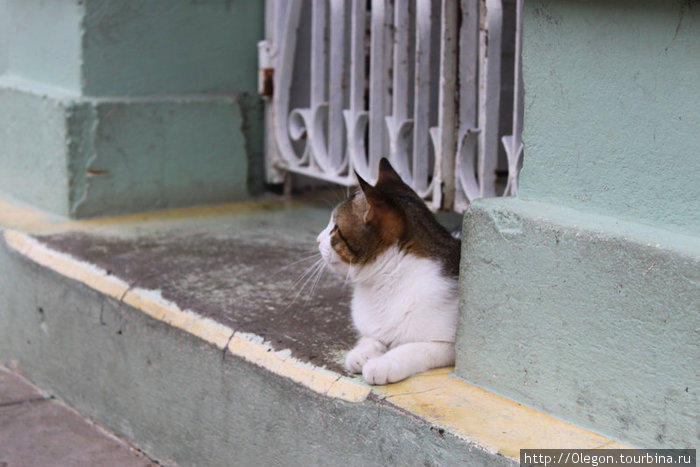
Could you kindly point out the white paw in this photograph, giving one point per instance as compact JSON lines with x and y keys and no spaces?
{"x":382,"y":371}
{"x":364,"y":351}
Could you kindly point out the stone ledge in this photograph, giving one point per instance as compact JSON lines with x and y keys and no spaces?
{"x":585,"y":317}
{"x":439,"y":410}
{"x":106,"y":156}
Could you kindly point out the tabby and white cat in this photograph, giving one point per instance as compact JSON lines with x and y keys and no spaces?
{"x":403,"y":266}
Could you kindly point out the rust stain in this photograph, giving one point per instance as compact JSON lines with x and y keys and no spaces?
{"x":268,"y":75}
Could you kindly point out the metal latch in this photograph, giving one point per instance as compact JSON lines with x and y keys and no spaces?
{"x":266,"y":72}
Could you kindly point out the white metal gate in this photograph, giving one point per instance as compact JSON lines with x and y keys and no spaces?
{"x":419,"y":81}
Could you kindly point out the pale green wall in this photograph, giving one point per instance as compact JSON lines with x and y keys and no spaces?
{"x":129,"y":105}
{"x":581,"y":296}
{"x":107,"y":47}
{"x":583,"y":316}
{"x":157,"y":154}
{"x":201,"y":47}
{"x":42,"y":41}
{"x":32,"y":168}
{"x":3,"y":36}
{"x":612,"y":122}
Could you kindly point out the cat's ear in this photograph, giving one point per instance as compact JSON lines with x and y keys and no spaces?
{"x":376,"y":201}
{"x":372,"y":194}
{"x":388,"y":178}
{"x":387,"y":173}
{"x":364,"y":186}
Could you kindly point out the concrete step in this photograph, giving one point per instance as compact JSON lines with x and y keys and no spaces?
{"x":193,"y":334}
{"x":36,"y":429}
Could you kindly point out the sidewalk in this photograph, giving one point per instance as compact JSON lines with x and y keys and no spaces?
{"x":36,"y":430}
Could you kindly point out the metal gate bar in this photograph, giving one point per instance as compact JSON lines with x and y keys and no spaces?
{"x":418,"y":81}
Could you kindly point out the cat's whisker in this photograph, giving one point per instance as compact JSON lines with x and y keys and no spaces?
{"x":317,"y":279}
{"x":308,"y":272}
{"x":303,"y":259}
{"x":310,"y":276}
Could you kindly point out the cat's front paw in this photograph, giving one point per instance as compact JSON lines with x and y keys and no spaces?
{"x":382,"y":371}
{"x":365,"y":350}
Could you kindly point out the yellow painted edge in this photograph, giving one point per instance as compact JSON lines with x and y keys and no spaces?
{"x":247,"y":346}
{"x":149,"y":302}
{"x":17,"y":217}
{"x":251,"y":347}
{"x":492,"y":421}
{"x":28,"y":219}
{"x":66,"y":265}
{"x":153,"y":304}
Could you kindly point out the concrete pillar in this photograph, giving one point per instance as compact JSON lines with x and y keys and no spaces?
{"x":119,"y":106}
{"x":582,"y":296}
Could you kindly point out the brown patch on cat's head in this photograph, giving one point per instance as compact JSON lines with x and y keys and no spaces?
{"x":366,"y":225}
{"x":389,"y":213}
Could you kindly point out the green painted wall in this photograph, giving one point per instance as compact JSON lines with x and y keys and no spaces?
{"x":105,"y":47}
{"x":32,"y":161}
{"x":178,"y":152}
{"x":207,"y":46}
{"x":582,"y":296}
{"x":612,"y":114}
{"x":42,"y":41}
{"x":3,"y":37}
{"x":127,"y":106}
{"x":586,"y":317}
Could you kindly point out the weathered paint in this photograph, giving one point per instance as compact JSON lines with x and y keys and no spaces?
{"x":247,"y":346}
{"x":177,"y":47}
{"x":129,"y":107}
{"x":182,"y":401}
{"x":581,"y":297}
{"x":591,"y":319}
{"x":28,"y":150}
{"x":41,"y":42}
{"x":454,"y":408}
{"x":141,"y":154}
{"x":99,"y":157}
{"x":253,"y":349}
{"x":494,"y":422}
{"x":151,"y":303}
{"x":61,"y":263}
{"x":611,"y":123}
{"x":102,"y":48}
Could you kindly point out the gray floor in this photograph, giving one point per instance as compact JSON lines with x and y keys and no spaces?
{"x":252,"y":270}
{"x":37,"y":430}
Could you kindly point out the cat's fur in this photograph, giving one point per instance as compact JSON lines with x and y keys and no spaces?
{"x":403,"y":266}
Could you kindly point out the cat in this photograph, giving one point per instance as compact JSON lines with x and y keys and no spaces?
{"x":403,"y":266}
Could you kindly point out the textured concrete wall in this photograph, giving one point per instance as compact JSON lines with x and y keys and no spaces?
{"x":581,"y":296}
{"x":42,"y":41}
{"x":32,"y":160}
{"x":182,"y":399}
{"x":585,"y":317}
{"x":129,"y":106}
{"x":178,"y":152}
{"x":102,"y":47}
{"x":207,"y":46}
{"x":3,"y":36}
{"x":611,"y":123}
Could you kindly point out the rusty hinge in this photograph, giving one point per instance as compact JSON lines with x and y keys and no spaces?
{"x":266,"y":72}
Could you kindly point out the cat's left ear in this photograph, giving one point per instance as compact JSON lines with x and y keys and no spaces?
{"x":364,"y":186}
{"x":387,"y":174}
{"x":376,"y":200}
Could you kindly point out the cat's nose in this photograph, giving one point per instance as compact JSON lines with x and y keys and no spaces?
{"x":318,"y":239}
